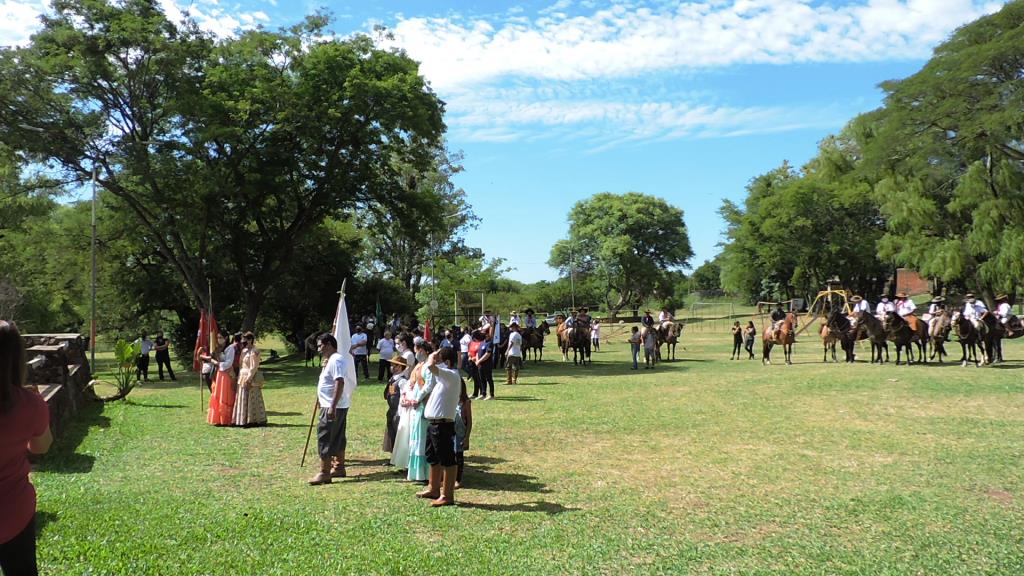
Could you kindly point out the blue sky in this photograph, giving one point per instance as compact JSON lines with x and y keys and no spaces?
{"x":555,"y":100}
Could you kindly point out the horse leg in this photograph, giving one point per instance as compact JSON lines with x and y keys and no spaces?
{"x":766,"y":352}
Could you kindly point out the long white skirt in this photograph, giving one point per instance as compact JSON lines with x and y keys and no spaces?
{"x":400,"y":454}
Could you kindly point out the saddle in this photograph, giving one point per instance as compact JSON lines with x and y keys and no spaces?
{"x":912,"y":321}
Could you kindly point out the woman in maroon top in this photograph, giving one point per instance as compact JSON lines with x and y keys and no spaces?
{"x":24,"y":428}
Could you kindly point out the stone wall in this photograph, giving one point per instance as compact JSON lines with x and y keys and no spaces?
{"x":58,"y":366}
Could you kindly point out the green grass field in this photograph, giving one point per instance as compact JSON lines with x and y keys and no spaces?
{"x":702,"y":466}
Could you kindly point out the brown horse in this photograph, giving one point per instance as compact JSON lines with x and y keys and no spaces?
{"x":871,"y":327}
{"x":969,"y":337}
{"x":786,"y":337}
{"x":842,"y":331}
{"x":669,"y":337}
{"x":533,"y":339}
{"x":938,"y":332}
{"x":994,"y":333}
{"x":899,"y":331}
{"x":828,"y":343}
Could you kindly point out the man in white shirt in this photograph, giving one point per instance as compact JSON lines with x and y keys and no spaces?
{"x":883,"y":308}
{"x":514,"y":354}
{"x":1003,"y":310}
{"x":860,"y":306}
{"x":905,"y":308}
{"x":444,"y":386}
{"x":513,"y":317}
{"x":142,"y":362}
{"x":334,"y":404}
{"x":360,"y":351}
{"x":974,"y":309}
{"x":386,"y":349}
{"x":464,"y":362}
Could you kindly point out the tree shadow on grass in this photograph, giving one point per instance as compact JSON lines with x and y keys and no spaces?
{"x":281,"y":425}
{"x":549,"y":508}
{"x":62,"y":457}
{"x":537,"y":384}
{"x":284,"y":413}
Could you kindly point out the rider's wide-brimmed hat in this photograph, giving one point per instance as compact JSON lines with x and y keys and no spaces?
{"x":901,"y":294}
{"x":399,"y":361}
{"x":938,"y":300}
{"x":856,"y":299}
{"x":1001,"y":297}
{"x":969,"y":296}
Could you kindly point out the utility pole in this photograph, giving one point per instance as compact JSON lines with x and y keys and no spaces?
{"x":92,"y":329}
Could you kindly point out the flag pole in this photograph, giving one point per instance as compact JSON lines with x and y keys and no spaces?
{"x":206,"y":335}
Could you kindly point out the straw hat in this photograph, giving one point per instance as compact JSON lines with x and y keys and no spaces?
{"x":938,"y":300}
{"x":1001,"y":297}
{"x":400,"y":361}
{"x":856,"y":299}
{"x":969,"y":296}
{"x":901,"y":294}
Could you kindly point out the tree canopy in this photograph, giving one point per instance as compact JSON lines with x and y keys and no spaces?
{"x":229,"y":151}
{"x":628,"y":242}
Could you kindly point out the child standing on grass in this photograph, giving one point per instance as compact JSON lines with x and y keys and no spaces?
{"x":737,"y":340}
{"x":749,"y":333}
{"x":463,"y":427}
{"x":650,"y":348}
{"x":634,"y":345}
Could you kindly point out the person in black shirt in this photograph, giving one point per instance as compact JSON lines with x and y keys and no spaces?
{"x":163,"y":355}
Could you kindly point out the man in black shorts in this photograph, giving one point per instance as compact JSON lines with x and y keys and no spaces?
{"x":444,"y":386}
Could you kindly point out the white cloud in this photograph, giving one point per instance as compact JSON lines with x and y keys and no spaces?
{"x":18,"y":19}
{"x":601,"y":123}
{"x":626,"y":39}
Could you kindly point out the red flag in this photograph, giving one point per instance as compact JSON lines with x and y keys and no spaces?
{"x":201,"y":341}
{"x":206,"y":338}
{"x":426,"y":331}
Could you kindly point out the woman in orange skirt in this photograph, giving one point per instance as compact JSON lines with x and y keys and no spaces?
{"x":222,"y":400}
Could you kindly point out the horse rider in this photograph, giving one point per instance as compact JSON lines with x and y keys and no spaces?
{"x":778,"y":317}
{"x":905,"y":307}
{"x":1004,"y":313}
{"x":647,"y":321}
{"x":667,"y":321}
{"x":883,"y":308}
{"x":860,"y":305}
{"x":974,"y":309}
{"x":935,"y":309}
{"x":513,"y":318}
{"x":531,"y":320}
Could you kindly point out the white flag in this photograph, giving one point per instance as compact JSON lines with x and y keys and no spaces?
{"x":497,"y":329}
{"x":344,"y":337}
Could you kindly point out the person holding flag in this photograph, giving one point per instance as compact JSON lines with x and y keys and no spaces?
{"x":334,"y":396}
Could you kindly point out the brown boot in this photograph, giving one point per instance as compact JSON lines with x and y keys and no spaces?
{"x":324,"y":477}
{"x":434,"y":483}
{"x":448,"y":488}
{"x":338,"y":466}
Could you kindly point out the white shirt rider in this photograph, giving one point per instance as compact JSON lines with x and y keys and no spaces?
{"x":861,"y":306}
{"x":1003,"y":312}
{"x":905,"y":307}
{"x":974,"y":310}
{"x":531,"y":321}
{"x":884,"y":307}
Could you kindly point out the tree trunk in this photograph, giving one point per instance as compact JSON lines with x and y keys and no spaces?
{"x":253,"y":304}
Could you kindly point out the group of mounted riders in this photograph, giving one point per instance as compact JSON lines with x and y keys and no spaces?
{"x":977,"y":328}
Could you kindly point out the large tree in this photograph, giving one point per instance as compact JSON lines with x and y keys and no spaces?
{"x":629,"y":242}
{"x":222,"y":151}
{"x":949,"y":149}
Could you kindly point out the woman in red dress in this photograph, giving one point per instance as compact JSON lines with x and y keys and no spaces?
{"x":222,"y":400}
{"x":24,"y":428}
